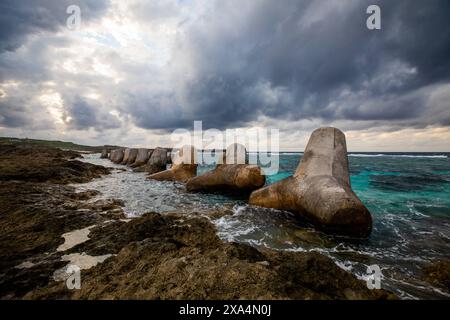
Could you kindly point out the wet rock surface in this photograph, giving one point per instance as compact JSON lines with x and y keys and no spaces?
{"x":171,"y":257}
{"x":46,"y":224}
{"x":42,"y":164}
{"x":37,"y":207}
{"x":438,"y":274}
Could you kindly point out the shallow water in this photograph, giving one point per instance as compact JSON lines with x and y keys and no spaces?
{"x":407,"y":194}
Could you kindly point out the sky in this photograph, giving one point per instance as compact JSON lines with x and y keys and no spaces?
{"x":135,"y":71}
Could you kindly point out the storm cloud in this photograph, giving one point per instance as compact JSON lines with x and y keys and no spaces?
{"x":300,"y":59}
{"x":160,"y":65}
{"x":20,"y":18}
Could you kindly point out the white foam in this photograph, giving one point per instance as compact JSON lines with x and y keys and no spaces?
{"x":364,"y":155}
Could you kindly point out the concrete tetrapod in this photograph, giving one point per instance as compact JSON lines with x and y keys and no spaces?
{"x":184,"y":166}
{"x":142,"y":157}
{"x":157,"y":161}
{"x":233,"y":175}
{"x":117,"y":155}
{"x":126,"y":155}
{"x":320,"y":188}
{"x":104,"y":154}
{"x":132,"y":156}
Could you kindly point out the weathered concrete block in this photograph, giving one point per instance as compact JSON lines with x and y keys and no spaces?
{"x":157,"y":161}
{"x":132,"y":156}
{"x":320,"y":188}
{"x":117,"y":155}
{"x":234,"y":175}
{"x":231,"y":177}
{"x":142,"y":157}
{"x":126,"y":155}
{"x":184,"y":166}
{"x":105,"y":154}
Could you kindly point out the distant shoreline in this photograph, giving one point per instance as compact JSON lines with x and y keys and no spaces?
{"x":78,"y":147}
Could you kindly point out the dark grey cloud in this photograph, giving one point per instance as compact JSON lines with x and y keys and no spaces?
{"x":293,"y":60}
{"x":236,"y":62}
{"x":23,"y":111}
{"x":20,"y":18}
{"x":158,"y":111}
{"x":13,"y":116}
{"x":82,"y":114}
{"x":29,"y":63}
{"x":32,"y":63}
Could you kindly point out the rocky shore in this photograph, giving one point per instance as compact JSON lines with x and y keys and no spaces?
{"x":46,"y":225}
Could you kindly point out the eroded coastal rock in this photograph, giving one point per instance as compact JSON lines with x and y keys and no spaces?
{"x":157,"y":161}
{"x":155,"y":256}
{"x":438,"y":274}
{"x":320,"y":188}
{"x":38,"y":207}
{"x":142,"y":157}
{"x":233,"y":175}
{"x":184,"y":166}
{"x":43,"y":164}
{"x":173,"y":257}
{"x":117,"y":155}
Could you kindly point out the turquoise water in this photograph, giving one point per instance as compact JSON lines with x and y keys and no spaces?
{"x":408,"y":196}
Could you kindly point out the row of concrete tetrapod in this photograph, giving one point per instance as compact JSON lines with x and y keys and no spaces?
{"x":149,"y":160}
{"x":318,"y":191}
{"x":232,"y":172}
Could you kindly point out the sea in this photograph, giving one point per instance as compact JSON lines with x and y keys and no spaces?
{"x":408,"y":195}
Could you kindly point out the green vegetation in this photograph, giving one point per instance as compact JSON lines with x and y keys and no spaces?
{"x":56,"y":144}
